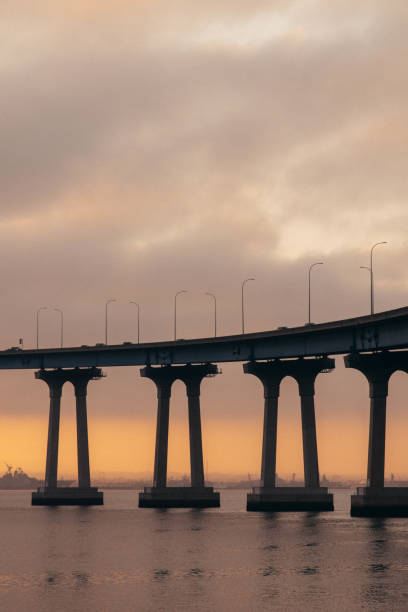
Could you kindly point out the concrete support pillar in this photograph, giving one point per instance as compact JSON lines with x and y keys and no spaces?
{"x":160,"y":495}
{"x":310,"y":459}
{"x":192,"y":376}
{"x":51,"y":466}
{"x":162,"y":434}
{"x":194,"y":424}
{"x":270,"y":374}
{"x":377,"y":368}
{"x":375,"y":499}
{"x":51,"y":494}
{"x":163,"y":377}
{"x":268,"y":496}
{"x":376,"y":444}
{"x":270,"y":432}
{"x":84,"y":478}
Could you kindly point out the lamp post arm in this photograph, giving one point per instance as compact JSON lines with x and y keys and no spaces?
{"x":372,"y":274}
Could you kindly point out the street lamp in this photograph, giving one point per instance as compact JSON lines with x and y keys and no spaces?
{"x":215,"y":312}
{"x":106,"y":319}
{"x":175,"y":311}
{"x":38,"y":314}
{"x":317,"y":263}
{"x":370,"y":269}
{"x":138,"y":320}
{"x":242,"y":302}
{"x":62,"y":324}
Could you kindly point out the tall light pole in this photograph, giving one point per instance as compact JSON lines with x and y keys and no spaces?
{"x":242,"y":302}
{"x":175,"y":311}
{"x":38,"y":315}
{"x":317,"y":263}
{"x":138,"y":320}
{"x":215,"y":312}
{"x":370,"y":269}
{"x":106,"y":319}
{"x":62,"y":324}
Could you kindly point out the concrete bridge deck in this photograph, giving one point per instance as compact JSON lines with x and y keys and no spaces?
{"x":385,"y":330}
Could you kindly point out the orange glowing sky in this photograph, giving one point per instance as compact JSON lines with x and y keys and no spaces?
{"x":146,"y":150}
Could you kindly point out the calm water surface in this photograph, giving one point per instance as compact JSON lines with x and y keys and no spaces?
{"x":118,"y":557}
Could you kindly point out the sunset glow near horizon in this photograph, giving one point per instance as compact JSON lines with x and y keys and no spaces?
{"x":146,"y":150}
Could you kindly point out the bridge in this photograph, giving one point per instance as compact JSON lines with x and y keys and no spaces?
{"x":383,"y":331}
{"x":376,"y":345}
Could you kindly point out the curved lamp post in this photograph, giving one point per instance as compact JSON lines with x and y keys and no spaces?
{"x":138,"y":319}
{"x":106,"y":318}
{"x":175,"y":311}
{"x":215,"y":312}
{"x":242,"y":302}
{"x":38,"y":316}
{"x":317,"y":263}
{"x":62,"y":325}
{"x":370,"y":269}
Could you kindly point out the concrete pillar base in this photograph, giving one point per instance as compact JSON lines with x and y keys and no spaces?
{"x":67,"y":496}
{"x":387,"y":501}
{"x":290,"y":499}
{"x":179,"y":497}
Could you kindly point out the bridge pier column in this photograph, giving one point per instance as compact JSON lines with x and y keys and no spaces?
{"x":52,"y":494}
{"x":162,"y":434}
{"x":268,"y":496}
{"x":270,"y":430}
{"x":376,"y":441}
{"x":51,"y":465}
{"x":160,"y":495}
{"x":84,"y":477}
{"x":194,"y":426}
{"x":310,"y":460}
{"x":375,"y":499}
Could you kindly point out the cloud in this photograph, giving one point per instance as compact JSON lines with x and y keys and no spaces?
{"x":178,"y":125}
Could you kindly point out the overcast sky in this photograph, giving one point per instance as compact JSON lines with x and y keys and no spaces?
{"x":147,"y":147}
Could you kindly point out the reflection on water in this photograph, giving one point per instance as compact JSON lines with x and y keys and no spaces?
{"x":161,"y":574}
{"x":376,"y":590}
{"x":119,"y":557}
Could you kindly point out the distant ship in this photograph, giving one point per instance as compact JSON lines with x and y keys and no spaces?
{"x":20,"y":480}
